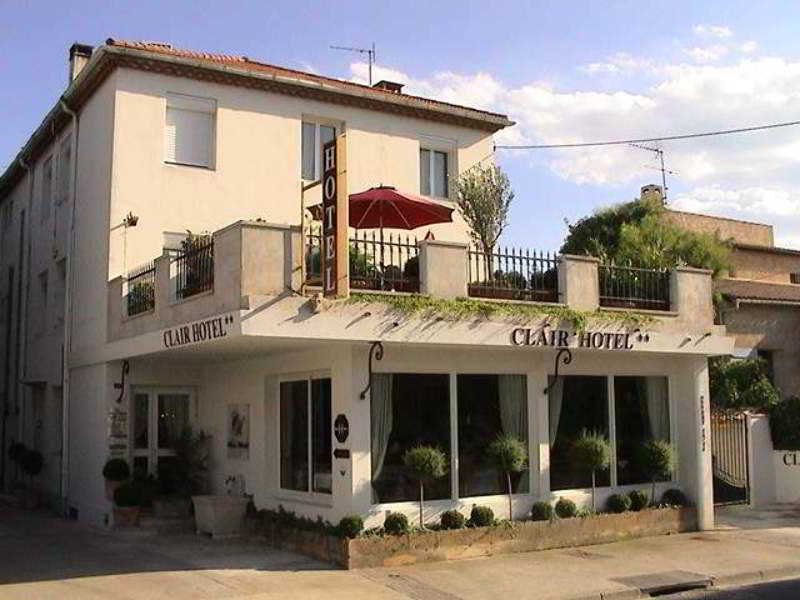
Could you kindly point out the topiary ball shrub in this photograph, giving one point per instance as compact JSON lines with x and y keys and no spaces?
{"x":639,"y":500}
{"x":350,"y":526}
{"x":117,"y":469}
{"x":452,"y":519}
{"x":541,"y":511}
{"x":674,"y":497}
{"x":128,"y":495}
{"x":481,"y":516}
{"x":618,"y":503}
{"x":396,"y":524}
{"x":566,"y":508}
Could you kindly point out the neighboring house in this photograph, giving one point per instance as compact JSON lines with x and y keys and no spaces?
{"x":111,"y":320}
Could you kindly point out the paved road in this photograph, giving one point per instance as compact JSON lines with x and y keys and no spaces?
{"x":787,"y":589}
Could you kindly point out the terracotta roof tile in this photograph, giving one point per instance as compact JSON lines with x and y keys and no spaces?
{"x":758,"y":290}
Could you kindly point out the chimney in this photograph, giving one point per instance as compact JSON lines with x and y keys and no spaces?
{"x":79,"y":55}
{"x":652,"y":193}
{"x":389,"y":86}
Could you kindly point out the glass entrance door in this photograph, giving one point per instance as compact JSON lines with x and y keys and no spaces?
{"x":159,"y":418}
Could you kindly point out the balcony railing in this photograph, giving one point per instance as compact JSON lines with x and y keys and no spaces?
{"x":631,"y":287}
{"x":194,"y":269}
{"x":391,"y":264}
{"x":513,"y":274}
{"x":141,"y":284}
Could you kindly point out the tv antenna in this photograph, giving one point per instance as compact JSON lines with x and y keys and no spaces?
{"x":664,"y":171}
{"x":370,"y":52}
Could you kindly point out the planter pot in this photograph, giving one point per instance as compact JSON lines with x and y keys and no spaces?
{"x":111,"y":487}
{"x":221,"y":516}
{"x":171,"y":507}
{"x":126,"y":516}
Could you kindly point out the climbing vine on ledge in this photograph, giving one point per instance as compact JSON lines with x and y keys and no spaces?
{"x":464,"y":308}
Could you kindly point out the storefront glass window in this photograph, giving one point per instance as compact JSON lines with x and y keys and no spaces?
{"x":576,"y":404}
{"x":489,"y":405}
{"x":641,"y":406}
{"x":173,"y":418}
{"x":407,"y":410}
{"x":321,"y":450}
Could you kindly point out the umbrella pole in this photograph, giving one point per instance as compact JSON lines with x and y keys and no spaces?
{"x":383,"y":266}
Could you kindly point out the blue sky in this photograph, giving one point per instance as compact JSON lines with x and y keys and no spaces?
{"x":565,"y":71}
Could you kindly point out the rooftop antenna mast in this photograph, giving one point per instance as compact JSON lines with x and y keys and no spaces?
{"x":370,"y":52}
{"x":660,"y":155}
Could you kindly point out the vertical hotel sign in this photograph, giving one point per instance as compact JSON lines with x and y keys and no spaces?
{"x":335,"y":217}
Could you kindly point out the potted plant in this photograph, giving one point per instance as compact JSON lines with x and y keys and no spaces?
{"x":115,"y":472}
{"x":591,"y":452}
{"x":222,"y":515}
{"x":128,"y":499}
{"x":509,"y":455}
{"x":657,"y":460}
{"x":182,"y":476}
{"x":425,"y":463}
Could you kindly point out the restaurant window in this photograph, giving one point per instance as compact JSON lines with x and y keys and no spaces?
{"x":189,"y":131}
{"x":305,"y":435}
{"x":488,"y":406}
{"x":577,"y":404}
{"x":433,"y":173}
{"x":641,"y":414}
{"x":314,"y":137}
{"x":406,"y":410}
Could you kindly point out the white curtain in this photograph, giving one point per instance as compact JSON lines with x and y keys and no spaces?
{"x":657,"y":399}
{"x":380,"y":422}
{"x":555,"y":401}
{"x":512,"y":396}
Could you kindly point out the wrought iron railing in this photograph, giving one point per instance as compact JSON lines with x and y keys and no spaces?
{"x":141,"y":283}
{"x":194,"y":269}
{"x":632,"y":287}
{"x":391,"y":264}
{"x":513,"y":274}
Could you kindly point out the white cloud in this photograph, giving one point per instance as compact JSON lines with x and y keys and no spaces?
{"x":718,"y":31}
{"x":621,"y":62}
{"x":707,"y":54}
{"x":748,"y":47}
{"x":766,"y":201}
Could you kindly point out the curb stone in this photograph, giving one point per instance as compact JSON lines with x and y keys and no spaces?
{"x":751,"y":577}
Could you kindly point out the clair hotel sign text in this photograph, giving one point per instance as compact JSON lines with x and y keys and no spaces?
{"x":561,"y":338}
{"x":334,"y":219}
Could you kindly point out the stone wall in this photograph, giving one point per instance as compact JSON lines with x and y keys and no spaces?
{"x":743,"y":232}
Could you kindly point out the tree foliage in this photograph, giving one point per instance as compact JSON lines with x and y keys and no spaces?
{"x":424,"y":463}
{"x":484,"y":197}
{"x":592,"y":452}
{"x":510,"y":455}
{"x":740,"y":383}
{"x":784,"y":424}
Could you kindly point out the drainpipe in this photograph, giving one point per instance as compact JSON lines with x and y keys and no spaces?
{"x":68,"y":317}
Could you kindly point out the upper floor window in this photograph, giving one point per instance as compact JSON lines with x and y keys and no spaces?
{"x":314,"y":136}
{"x":433,"y":173}
{"x":794,"y":277}
{"x":47,"y":188}
{"x":189,"y":131}
{"x":64,"y":171}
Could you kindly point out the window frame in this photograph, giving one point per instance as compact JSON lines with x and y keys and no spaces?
{"x":308,"y":496}
{"x":212,"y":151}
{"x":446,"y":146}
{"x":338,"y":129}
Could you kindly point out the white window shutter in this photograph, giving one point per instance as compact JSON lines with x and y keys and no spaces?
{"x":189,"y":131}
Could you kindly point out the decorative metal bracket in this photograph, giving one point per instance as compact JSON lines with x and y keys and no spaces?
{"x":375,"y":352}
{"x":566,"y":353}
{"x":126,"y":368}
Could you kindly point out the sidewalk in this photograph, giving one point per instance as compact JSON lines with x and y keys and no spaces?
{"x":43,"y":557}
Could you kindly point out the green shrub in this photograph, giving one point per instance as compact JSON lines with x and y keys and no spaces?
{"x":740,"y":383}
{"x":541,"y":511}
{"x":396,"y":524}
{"x":657,"y":460}
{"x":411,"y":268}
{"x":481,"y":516}
{"x":424,"y":463}
{"x":566,"y":509}
{"x":674,"y":497}
{"x":591,"y":452}
{"x":128,"y":494}
{"x":784,"y":424}
{"x":510,"y":455}
{"x":350,"y":526}
{"x":116,"y":469}
{"x":639,"y":500}
{"x":618,"y":503}
{"x":452,"y":519}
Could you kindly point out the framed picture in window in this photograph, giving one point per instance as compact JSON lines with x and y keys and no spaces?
{"x":238,"y":431}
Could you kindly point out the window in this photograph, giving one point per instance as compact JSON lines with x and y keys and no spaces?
{"x":47,"y":188}
{"x":314,"y":137}
{"x":576,"y":404}
{"x":794,"y":278}
{"x":42,"y":301}
{"x":641,"y":414}
{"x":407,"y":409}
{"x":64,"y":171}
{"x":489,"y":405}
{"x":306,"y":461}
{"x":189,"y":131}
{"x":433,"y":173}
{"x":767,"y":359}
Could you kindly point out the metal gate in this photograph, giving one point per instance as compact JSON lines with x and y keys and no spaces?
{"x":729,"y":443}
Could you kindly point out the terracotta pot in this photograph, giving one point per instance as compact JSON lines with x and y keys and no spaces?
{"x":126,"y":516}
{"x":111,"y":487}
